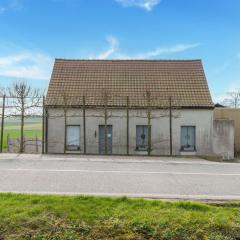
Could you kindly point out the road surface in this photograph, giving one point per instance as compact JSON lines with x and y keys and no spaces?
{"x":164,"y":178}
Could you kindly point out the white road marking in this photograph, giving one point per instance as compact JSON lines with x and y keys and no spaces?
{"x":117,"y":172}
{"x":135,"y":195}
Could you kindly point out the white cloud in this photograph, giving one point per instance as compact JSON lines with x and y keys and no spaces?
{"x":114,"y":52}
{"x":145,"y":4}
{"x":31,"y":64}
{"x":113,"y":48}
{"x":11,"y":5}
{"x":2,"y":10}
{"x":168,"y":50}
{"x":26,"y":65}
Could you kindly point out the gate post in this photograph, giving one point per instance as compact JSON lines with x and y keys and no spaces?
{"x":2,"y":123}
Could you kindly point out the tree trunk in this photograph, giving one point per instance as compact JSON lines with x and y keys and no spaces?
{"x":127,"y":125}
{"x":105,"y":128}
{"x":149,"y":124}
{"x":170,"y":126}
{"x":84,"y":126}
{"x":22,"y":131}
{"x":65,"y":130}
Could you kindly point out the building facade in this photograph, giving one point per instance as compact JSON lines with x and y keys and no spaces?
{"x":133,"y":107}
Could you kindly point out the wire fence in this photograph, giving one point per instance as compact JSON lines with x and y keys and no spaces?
{"x":21,"y":124}
{"x":88,"y":124}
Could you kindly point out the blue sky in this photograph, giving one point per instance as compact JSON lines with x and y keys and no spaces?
{"x":33,"y":33}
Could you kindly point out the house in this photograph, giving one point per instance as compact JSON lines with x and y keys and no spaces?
{"x":136,"y":107}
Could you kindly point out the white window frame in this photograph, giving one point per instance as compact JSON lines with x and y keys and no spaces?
{"x":73,"y":148}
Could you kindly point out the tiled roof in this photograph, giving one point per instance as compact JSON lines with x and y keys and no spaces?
{"x":184,"y":81}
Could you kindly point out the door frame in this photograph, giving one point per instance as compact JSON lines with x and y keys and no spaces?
{"x":109,"y":146}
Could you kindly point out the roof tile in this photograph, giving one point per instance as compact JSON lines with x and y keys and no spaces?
{"x":183,"y":80}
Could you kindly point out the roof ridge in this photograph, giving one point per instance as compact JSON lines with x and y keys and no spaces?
{"x":129,"y":60}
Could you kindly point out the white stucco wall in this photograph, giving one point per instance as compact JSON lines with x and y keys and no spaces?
{"x":202,"y":119}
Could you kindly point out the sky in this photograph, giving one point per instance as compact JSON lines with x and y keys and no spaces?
{"x":33,"y":33}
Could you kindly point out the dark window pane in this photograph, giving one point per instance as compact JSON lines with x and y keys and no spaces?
{"x":142,"y":137}
{"x":188,"y":136}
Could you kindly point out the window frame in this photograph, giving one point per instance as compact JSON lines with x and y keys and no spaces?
{"x":139,"y":148}
{"x":79,"y":147}
{"x":182,"y":148}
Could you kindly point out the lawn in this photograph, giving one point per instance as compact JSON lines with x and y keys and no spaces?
{"x":83,"y":217}
{"x":32,"y":128}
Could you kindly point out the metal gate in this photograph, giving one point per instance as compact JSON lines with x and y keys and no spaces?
{"x":102,"y":139}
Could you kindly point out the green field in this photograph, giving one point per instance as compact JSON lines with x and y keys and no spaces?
{"x":79,"y":217}
{"x":32,"y":128}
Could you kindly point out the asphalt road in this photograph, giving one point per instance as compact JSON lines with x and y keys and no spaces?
{"x":163,"y":178}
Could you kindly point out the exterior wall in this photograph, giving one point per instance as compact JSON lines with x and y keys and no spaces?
{"x":230,"y":114}
{"x":223,"y":138}
{"x":202,"y":119}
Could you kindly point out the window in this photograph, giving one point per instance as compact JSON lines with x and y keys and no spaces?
{"x":73,"y":138}
{"x":142,"y":138}
{"x":188,"y":136}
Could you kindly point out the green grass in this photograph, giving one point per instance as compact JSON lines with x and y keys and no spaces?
{"x":16,"y":134}
{"x":32,"y":128}
{"x":83,"y":217}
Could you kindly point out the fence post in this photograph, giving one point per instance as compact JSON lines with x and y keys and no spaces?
{"x":36,"y":141}
{"x":170,"y":124}
{"x":22,"y":126}
{"x":46,"y":130}
{"x":84,"y":125}
{"x":43,"y":125}
{"x":65,"y":129}
{"x":2,"y":123}
{"x":105,"y":125}
{"x":149,"y":124}
{"x":127,"y":125}
{"x":8,"y":142}
{"x":23,"y":145}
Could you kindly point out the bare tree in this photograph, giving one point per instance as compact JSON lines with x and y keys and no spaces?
{"x":233,"y":99}
{"x":2,"y":91}
{"x":65,"y":100}
{"x":25,"y":98}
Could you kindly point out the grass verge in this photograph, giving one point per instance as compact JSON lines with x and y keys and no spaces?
{"x":83,"y":217}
